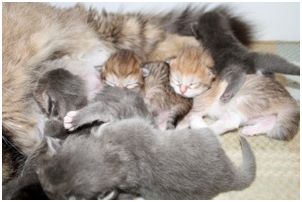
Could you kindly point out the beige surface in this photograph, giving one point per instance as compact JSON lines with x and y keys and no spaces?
{"x":278,"y":162}
{"x":278,"y":165}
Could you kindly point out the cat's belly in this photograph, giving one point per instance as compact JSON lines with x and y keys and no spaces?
{"x":217,"y":110}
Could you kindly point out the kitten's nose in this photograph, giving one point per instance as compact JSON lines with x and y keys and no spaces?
{"x":183,"y":89}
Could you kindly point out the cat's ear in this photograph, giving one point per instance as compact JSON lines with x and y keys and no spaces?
{"x":146,"y":72}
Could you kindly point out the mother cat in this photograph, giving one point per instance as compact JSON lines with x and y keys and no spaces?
{"x":36,"y":32}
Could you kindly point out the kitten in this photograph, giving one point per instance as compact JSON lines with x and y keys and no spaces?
{"x":124,"y":69}
{"x":112,"y":103}
{"x":261,"y":105}
{"x":177,"y":164}
{"x":57,"y":92}
{"x":161,"y":100}
{"x":232,"y":60}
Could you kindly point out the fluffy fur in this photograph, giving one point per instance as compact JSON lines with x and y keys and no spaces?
{"x":232,"y":60}
{"x":112,"y":103}
{"x":262,"y":105}
{"x":184,"y":164}
{"x":162,"y":101}
{"x":123,"y":70}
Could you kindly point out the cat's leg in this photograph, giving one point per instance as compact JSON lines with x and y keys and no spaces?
{"x":235,"y":77}
{"x":260,"y":125}
{"x":227,"y":123}
{"x":176,"y":114}
{"x":93,"y":112}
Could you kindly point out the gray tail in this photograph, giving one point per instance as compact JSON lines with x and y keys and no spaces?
{"x":180,"y":21}
{"x":273,"y":63}
{"x":287,"y":124}
{"x":247,"y":173}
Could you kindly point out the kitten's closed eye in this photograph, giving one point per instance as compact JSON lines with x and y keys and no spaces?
{"x":132,"y":85}
{"x":195,"y":85}
{"x":110,"y":83}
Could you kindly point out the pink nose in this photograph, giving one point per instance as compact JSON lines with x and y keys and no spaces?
{"x":183,"y":89}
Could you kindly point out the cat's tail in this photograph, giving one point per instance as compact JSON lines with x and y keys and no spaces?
{"x":179,"y":21}
{"x":247,"y":172}
{"x":272,"y":63}
{"x":287,"y":123}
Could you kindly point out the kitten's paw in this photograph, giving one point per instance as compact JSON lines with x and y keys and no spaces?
{"x":249,"y":131}
{"x":226,"y":97}
{"x":70,"y":120}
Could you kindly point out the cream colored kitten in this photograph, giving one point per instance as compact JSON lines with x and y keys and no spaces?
{"x":262,"y":105}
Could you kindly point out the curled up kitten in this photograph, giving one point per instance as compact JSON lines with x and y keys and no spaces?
{"x":167,"y":106}
{"x":261,"y":105}
{"x":124,"y":69}
{"x":176,"y":164}
{"x":232,"y":59}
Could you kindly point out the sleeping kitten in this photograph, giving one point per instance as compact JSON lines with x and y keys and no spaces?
{"x":161,"y":100}
{"x":125,"y":70}
{"x":112,"y":103}
{"x":262,"y":105}
{"x":182,"y":164}
{"x":233,"y":60}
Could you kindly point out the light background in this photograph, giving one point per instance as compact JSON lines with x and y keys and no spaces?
{"x":273,"y":21}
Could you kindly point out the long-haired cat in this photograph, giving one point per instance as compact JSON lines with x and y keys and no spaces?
{"x":261,"y":105}
{"x":133,"y":157}
{"x":233,"y":60}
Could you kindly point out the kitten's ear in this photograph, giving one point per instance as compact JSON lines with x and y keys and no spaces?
{"x":146,"y":72}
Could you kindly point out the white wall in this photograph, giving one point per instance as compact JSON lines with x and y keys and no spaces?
{"x":273,"y":21}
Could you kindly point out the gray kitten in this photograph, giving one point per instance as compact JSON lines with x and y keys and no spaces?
{"x":131,"y":156}
{"x":112,"y":103}
{"x":57,"y":92}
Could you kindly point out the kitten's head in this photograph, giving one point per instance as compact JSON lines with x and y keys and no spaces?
{"x":123,"y":70}
{"x":192,"y":72}
{"x":156,"y":74}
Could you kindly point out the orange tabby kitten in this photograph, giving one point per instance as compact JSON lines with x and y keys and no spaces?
{"x":262,"y":105}
{"x":123,"y":70}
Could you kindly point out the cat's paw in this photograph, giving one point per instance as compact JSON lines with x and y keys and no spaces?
{"x":226,"y":97}
{"x":70,"y":120}
{"x":170,"y":126}
{"x":249,"y":130}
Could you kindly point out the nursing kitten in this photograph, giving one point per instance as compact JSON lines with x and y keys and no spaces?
{"x":176,"y":164}
{"x":261,"y":105}
{"x":58,"y":92}
{"x":124,"y":69}
{"x":161,"y":100}
{"x":112,"y":103}
{"x":233,"y":60}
